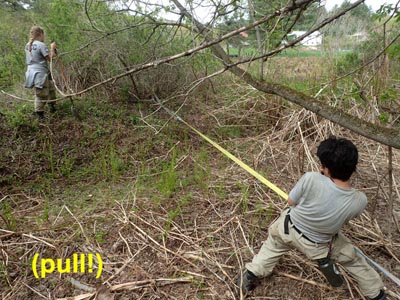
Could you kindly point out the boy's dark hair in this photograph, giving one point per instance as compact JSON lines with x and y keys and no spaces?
{"x":339,"y":155}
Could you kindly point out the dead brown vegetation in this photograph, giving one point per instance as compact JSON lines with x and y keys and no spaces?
{"x":153,"y":250}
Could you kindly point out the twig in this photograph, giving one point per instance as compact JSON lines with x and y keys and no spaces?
{"x":393,"y":294}
{"x":35,"y":291}
{"x":244,"y":237}
{"x":124,"y":265}
{"x":161,"y":246}
{"x":83,"y":232}
{"x":79,"y":297}
{"x":29,"y":236}
{"x":157,"y":282}
{"x":312,"y":282}
{"x":390,"y":177}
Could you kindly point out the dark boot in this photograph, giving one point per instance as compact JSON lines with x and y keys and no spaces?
{"x":330,"y":271}
{"x":40,"y":115}
{"x":247,"y":282}
{"x":381,"y":296}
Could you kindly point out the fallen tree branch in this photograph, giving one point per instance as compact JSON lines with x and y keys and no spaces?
{"x":384,"y":135}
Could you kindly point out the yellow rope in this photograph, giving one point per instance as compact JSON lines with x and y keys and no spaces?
{"x":246,"y":167}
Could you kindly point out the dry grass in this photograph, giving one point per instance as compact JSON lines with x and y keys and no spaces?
{"x":196,"y":253}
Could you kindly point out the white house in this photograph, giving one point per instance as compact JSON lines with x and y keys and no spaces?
{"x":314,"y":39}
{"x":359,"y":36}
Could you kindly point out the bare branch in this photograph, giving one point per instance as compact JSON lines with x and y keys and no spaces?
{"x":387,"y":136}
{"x":108,"y":34}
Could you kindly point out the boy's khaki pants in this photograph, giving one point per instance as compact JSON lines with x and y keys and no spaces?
{"x":343,"y":252}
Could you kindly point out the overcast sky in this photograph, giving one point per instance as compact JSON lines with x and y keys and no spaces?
{"x":375,"y":4}
{"x":203,"y":14}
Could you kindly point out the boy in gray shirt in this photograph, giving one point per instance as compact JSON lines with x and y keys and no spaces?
{"x":319,"y":205}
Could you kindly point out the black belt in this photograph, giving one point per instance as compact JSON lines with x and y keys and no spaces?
{"x":286,"y":224}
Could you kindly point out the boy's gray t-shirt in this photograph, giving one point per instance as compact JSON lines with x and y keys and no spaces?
{"x":322,"y":207}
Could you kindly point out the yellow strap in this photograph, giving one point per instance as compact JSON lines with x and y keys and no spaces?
{"x":240,"y":163}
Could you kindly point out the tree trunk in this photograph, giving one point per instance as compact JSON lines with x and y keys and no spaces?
{"x":258,"y":36}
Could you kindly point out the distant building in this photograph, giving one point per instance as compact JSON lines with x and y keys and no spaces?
{"x":359,"y":36}
{"x":314,"y":39}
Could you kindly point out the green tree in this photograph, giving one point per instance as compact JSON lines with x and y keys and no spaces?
{"x":362,"y":11}
{"x":357,"y":20}
{"x":310,"y":17}
{"x":14,"y":38}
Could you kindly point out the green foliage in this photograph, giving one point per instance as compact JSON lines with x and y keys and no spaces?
{"x":386,"y":10}
{"x":348,"y":63}
{"x":302,"y":52}
{"x":177,"y":211}
{"x":272,"y":32}
{"x":394,"y":51}
{"x":20,"y":117}
{"x":361,"y":11}
{"x":51,"y":159}
{"x":230,"y":131}
{"x":384,"y":118}
{"x":116,"y":163}
{"x":388,"y":95}
{"x":63,"y":23}
{"x":111,"y":165}
{"x":357,"y":20}
{"x":4,"y":276}
{"x":66,"y":164}
{"x":205,"y":61}
{"x":310,"y":17}
{"x":202,"y":169}
{"x":8,"y":216}
{"x":244,"y":200}
{"x":11,"y":63}
{"x":96,"y":41}
{"x":100,"y":236}
{"x":168,"y":181}
{"x":45,"y":212}
{"x":13,"y":39}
